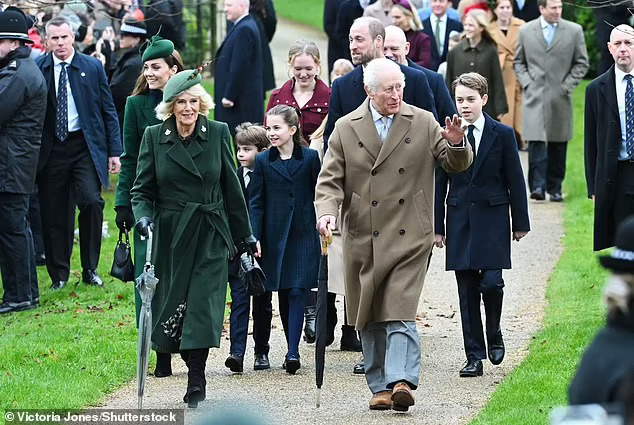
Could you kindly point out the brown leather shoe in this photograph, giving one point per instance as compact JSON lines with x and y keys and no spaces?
{"x":402,"y":397}
{"x":381,"y":401}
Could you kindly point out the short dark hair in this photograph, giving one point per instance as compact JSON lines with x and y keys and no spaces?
{"x":58,"y":22}
{"x":472,"y":80}
{"x":542,"y":3}
{"x":248,"y":134}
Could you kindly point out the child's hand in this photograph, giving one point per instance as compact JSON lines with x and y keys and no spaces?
{"x":439,"y":241}
{"x":519,"y":235}
{"x":259,"y":251}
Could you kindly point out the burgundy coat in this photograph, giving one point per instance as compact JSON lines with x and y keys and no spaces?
{"x":419,"y":47}
{"x":315,"y":110}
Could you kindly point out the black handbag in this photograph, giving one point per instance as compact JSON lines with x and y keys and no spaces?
{"x":122,"y":266}
{"x":251,"y":275}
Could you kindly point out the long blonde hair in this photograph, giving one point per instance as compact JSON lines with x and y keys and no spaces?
{"x":482,"y":19}
{"x":413,"y":19}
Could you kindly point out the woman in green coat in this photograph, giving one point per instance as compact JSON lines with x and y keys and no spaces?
{"x":187,"y":190}
{"x":160,"y":63}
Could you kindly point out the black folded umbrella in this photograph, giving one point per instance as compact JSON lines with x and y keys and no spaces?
{"x":320,"y":319}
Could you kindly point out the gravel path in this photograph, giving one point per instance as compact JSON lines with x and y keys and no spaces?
{"x":442,"y":398}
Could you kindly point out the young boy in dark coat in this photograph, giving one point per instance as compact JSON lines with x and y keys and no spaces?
{"x":479,"y":231}
{"x":250,"y":140}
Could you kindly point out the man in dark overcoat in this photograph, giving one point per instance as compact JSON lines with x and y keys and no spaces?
{"x":239,"y":81}
{"x":366,"y":43}
{"x":22,"y":108}
{"x":609,"y":139}
{"x":81,"y":144}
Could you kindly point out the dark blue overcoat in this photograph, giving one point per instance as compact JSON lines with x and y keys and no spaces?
{"x":445,"y":107}
{"x":478,"y":224}
{"x":238,"y":75}
{"x":97,"y":114}
{"x":348,"y":93}
{"x":283,"y":217}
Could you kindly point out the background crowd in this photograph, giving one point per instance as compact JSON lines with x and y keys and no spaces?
{"x":106,"y":70}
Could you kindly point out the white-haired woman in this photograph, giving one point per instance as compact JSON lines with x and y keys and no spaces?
{"x":606,"y":372}
{"x":187,"y":190}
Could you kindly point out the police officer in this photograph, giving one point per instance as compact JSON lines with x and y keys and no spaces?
{"x":23,"y":94}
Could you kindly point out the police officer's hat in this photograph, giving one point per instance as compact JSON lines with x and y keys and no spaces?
{"x":13,"y":25}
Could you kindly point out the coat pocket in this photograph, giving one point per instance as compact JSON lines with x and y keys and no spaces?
{"x":452,"y":202}
{"x":498,"y":200}
{"x":353,"y":215}
{"x":424,"y":211}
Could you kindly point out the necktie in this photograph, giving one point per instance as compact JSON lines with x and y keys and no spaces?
{"x":629,"y":117}
{"x":471,"y":139}
{"x":384,"y":129}
{"x":520,"y":4}
{"x":247,"y":178}
{"x":61,"y":112}
{"x":551,"y":34}
{"x":437,"y":36}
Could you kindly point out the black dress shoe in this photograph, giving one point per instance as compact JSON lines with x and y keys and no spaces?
{"x":58,"y":284}
{"x":163,"y":365}
{"x":292,"y":364}
{"x":538,"y":194}
{"x":496,"y":349}
{"x":471,"y":369}
{"x":235,"y":363}
{"x":261,"y":362}
{"x":556,"y":197}
{"x":349,"y":339}
{"x":359,"y":368}
{"x":92,"y":278}
{"x":12,"y":307}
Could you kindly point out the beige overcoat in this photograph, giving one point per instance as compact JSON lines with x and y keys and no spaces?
{"x":548,"y":76}
{"x":507,"y":44}
{"x":386,"y":192}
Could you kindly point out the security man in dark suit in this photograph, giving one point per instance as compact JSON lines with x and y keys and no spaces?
{"x":366,"y":43}
{"x":81,"y":143}
{"x":23,"y":95}
{"x":439,"y":26}
{"x":609,"y":139}
{"x":478,"y":231}
{"x":239,"y":80}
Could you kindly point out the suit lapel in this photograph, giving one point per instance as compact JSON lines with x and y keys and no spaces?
{"x":366,"y":132}
{"x":608,"y":90}
{"x":400,"y":126}
{"x":177,"y":151}
{"x":486,"y":141}
{"x":49,"y":75}
{"x":560,"y":32}
{"x":280,"y":168}
{"x":539,"y":34}
{"x":75,"y":75}
{"x":357,"y":81}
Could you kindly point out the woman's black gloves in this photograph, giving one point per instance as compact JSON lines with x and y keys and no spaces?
{"x":248,"y":245}
{"x":143,"y":225}
{"x":124,"y":218}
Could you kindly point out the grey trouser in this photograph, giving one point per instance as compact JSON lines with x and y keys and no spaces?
{"x":392,"y":353}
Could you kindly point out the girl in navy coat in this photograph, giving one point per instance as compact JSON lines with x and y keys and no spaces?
{"x":283,"y":219}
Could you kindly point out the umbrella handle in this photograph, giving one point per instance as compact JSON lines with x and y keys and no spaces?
{"x":148,"y":247}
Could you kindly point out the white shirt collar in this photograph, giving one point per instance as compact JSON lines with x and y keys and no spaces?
{"x":376,"y":115}
{"x":245,"y":170}
{"x":620,"y":75}
{"x":479,"y":123}
{"x":545,"y":24}
{"x":68,"y":60}
{"x":442,"y":19}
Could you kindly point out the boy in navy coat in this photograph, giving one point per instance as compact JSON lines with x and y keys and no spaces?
{"x":478,"y":232}
{"x":250,"y":140}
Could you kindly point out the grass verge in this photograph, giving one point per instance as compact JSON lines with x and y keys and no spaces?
{"x":573,"y":313}
{"x":307,"y":12}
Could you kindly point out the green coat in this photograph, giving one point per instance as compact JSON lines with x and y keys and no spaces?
{"x":195,"y":200}
{"x":138,"y":114}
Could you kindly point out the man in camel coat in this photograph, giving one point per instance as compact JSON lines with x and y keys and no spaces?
{"x":380,"y":168}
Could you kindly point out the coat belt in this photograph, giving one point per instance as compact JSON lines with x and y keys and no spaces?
{"x":187,"y":227}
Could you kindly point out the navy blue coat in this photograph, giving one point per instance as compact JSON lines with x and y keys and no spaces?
{"x":239,"y":76}
{"x":445,"y":107}
{"x":348,"y":93}
{"x":436,"y":57}
{"x":478,"y":226}
{"x":97,"y":114}
{"x":283,"y":217}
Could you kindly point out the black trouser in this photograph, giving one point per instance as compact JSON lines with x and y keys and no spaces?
{"x":474,"y":285}
{"x":17,"y":258}
{"x":546,"y":165}
{"x":35,"y":222}
{"x":624,"y":196}
{"x":70,"y":172}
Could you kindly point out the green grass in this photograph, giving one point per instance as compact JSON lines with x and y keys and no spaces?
{"x":573,"y":314}
{"x":307,"y":12}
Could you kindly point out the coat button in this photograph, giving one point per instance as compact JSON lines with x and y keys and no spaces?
{"x":401,"y":170}
{"x":473,"y":204}
{"x":374,"y":203}
{"x":471,"y":64}
{"x":401,"y":232}
{"x":375,"y":234}
{"x":401,"y":201}
{"x":408,"y":140}
{"x":374,"y":172}
{"x":360,"y":144}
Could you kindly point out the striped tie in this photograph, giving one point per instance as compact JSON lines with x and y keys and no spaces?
{"x":61,"y":112}
{"x":629,"y":117}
